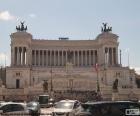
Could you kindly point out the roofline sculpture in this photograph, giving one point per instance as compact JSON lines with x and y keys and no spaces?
{"x":105,"y":28}
{"x":21,"y":27}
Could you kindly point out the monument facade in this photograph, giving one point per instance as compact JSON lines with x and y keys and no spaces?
{"x":67,"y":65}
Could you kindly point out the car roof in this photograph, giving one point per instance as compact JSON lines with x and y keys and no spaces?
{"x":5,"y":103}
{"x":107,"y":102}
{"x":67,"y":100}
{"x":44,"y":95}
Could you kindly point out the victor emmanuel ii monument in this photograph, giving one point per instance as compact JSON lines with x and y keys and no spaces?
{"x":67,"y":68}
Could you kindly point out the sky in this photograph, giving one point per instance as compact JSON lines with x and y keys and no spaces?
{"x":76,"y":19}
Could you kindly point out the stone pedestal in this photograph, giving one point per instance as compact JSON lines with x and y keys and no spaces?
{"x":115,"y":96}
{"x":69,"y":67}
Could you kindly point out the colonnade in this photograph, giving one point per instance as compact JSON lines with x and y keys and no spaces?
{"x":111,"y":55}
{"x":19,"y":56}
{"x":46,"y":58}
{"x":60,"y":57}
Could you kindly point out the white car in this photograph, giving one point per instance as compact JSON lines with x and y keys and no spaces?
{"x":66,"y":108}
{"x":14,"y":109}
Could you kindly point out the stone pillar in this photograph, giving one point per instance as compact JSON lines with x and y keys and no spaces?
{"x":27,"y":56}
{"x":46,"y":58}
{"x":89,"y":57}
{"x":115,"y":96}
{"x":18,"y":56}
{"x":54,"y":54}
{"x":82,"y":58}
{"x":74,"y":57}
{"x":12,"y":56}
{"x":117,"y":56}
{"x":78,"y":58}
{"x":62,"y":58}
{"x":23,"y":56}
{"x":86,"y":58}
{"x":51,"y":58}
{"x":38,"y":57}
{"x":112,"y":56}
{"x":43,"y":58}
{"x":95,"y":52}
{"x":35,"y":57}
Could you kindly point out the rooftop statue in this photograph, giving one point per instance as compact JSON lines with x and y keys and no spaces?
{"x":21,"y":27}
{"x":105,"y":28}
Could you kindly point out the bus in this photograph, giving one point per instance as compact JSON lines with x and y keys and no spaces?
{"x":44,"y":100}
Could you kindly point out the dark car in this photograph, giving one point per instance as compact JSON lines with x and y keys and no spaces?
{"x":34,"y":108}
{"x":110,"y":108}
{"x":13,"y":109}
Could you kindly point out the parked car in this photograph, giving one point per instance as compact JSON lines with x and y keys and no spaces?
{"x":34,"y":108}
{"x":110,"y":108}
{"x":66,"y":108}
{"x":13,"y":108}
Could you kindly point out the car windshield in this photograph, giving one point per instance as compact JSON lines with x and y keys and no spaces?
{"x":31,"y":104}
{"x":64,"y":105}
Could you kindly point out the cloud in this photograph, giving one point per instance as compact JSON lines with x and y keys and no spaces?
{"x":32,"y":15}
{"x":6,"y":16}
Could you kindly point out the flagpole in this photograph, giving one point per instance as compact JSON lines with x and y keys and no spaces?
{"x":51,"y":81}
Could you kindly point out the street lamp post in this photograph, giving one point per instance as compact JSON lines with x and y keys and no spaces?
{"x":51,"y":89}
{"x":51,"y":81}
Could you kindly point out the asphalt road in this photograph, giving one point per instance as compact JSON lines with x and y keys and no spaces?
{"x":46,"y":111}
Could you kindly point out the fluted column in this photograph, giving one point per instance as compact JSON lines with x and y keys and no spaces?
{"x":112,"y":56}
{"x":86,"y":58}
{"x":116,"y":55}
{"x":89,"y":57}
{"x":110,"y":60}
{"x":43,"y":58}
{"x":46,"y":58}
{"x":34,"y":57}
{"x":62,"y":58}
{"x":50,"y":57}
{"x":95,"y":53}
{"x":23,"y":58}
{"x":19,"y":55}
{"x":38,"y":57}
{"x":81,"y":57}
{"x":18,"y":58}
{"x":54,"y":57}
{"x":74,"y":57}
{"x":78,"y":58}
{"x":58,"y":60}
{"x":27,"y":56}
{"x":12,"y":56}
{"x":15,"y":56}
